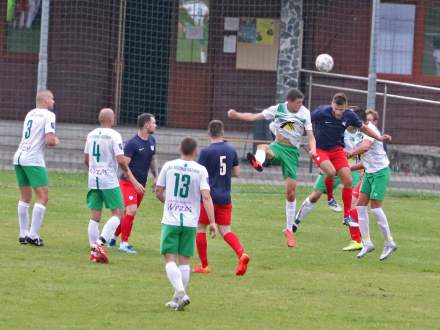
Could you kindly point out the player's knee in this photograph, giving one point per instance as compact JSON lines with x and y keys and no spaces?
{"x":131,"y":210}
{"x":224,"y":230}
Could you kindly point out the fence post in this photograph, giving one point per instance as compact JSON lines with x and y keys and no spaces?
{"x":44,"y":40}
{"x":372,"y":75}
{"x":384,"y":109}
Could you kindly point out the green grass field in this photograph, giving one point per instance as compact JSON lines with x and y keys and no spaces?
{"x":314,"y":286}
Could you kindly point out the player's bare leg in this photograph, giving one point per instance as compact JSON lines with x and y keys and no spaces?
{"x":290,"y":188}
{"x":257,"y":160}
{"x":202,"y":250}
{"x":23,"y":213}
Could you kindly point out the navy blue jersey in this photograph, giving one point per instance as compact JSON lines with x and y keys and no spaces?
{"x":219,"y":159}
{"x":328,"y":130}
{"x":141,"y":152}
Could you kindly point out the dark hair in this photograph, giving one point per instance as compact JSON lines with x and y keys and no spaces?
{"x":372,"y":112}
{"x":215,"y":128}
{"x":143,"y":118}
{"x":294,"y":94}
{"x":340,"y":99}
{"x":188,"y":146}
{"x":360,"y":113}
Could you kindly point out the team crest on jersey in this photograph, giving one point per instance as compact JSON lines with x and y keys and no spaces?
{"x":52,"y":125}
{"x":344,"y":123}
{"x":288,"y":126}
{"x":152,"y":148}
{"x":120,"y":146}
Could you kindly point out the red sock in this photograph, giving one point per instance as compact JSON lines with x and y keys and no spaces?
{"x":118,"y":231}
{"x":355,"y":233}
{"x":202,"y":248}
{"x":234,"y":242}
{"x":329,"y":187}
{"x":346,"y":198}
{"x":126,"y":225}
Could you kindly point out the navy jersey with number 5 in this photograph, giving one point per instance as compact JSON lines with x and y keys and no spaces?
{"x":219,"y":159}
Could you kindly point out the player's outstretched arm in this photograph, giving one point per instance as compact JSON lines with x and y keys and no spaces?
{"x":246,"y":116}
{"x":365,"y":129}
{"x":311,"y":142}
{"x":123,"y":164}
{"x":209,"y":207}
{"x":236,"y":171}
{"x":363,"y":147}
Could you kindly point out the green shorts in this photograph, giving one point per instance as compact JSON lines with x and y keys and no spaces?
{"x":375,"y":184}
{"x":112,"y":198}
{"x":320,"y":184}
{"x":177,"y":240}
{"x":287,"y":157}
{"x":34,"y":176}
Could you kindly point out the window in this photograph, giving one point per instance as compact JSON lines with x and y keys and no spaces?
{"x":431,"y":51}
{"x":22,"y":30}
{"x":192,"y":31}
{"x":395,"y":38}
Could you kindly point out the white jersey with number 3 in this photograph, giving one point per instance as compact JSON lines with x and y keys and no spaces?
{"x":375,"y":159}
{"x":102,"y":146}
{"x":183,"y":181}
{"x":37,"y":124}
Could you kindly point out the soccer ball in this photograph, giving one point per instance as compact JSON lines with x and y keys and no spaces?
{"x":324,"y":62}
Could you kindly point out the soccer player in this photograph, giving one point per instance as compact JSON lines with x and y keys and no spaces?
{"x":140,"y":152}
{"x":221,"y":161}
{"x":102,"y":154}
{"x":375,"y":183}
{"x":352,"y":138}
{"x":181,"y":184}
{"x":291,"y":120}
{"x":30,"y":167}
{"x":330,"y":123}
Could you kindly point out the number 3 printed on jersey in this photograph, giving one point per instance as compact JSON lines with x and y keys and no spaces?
{"x":27,"y":134}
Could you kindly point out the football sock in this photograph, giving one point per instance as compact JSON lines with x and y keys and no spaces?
{"x":346,"y":198}
{"x":382,"y":221}
{"x":355,"y":233}
{"x":185,"y":272}
{"x":109,"y":228}
{"x":23,"y":218}
{"x":234,"y":242}
{"x":260,"y":156}
{"x":175,"y":277}
{"x":306,"y":207}
{"x":37,"y":219}
{"x":202,"y":248}
{"x":364,"y":222}
{"x":329,"y":186}
{"x":126,"y":225}
{"x":93,"y":231}
{"x":117,"y":232}
{"x":290,"y":214}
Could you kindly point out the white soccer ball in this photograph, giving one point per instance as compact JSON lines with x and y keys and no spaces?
{"x":324,"y":63}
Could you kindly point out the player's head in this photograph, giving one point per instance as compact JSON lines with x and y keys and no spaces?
{"x":339,"y":104}
{"x":294,"y":99}
{"x":106,"y":117}
{"x":360,"y":113}
{"x":372,"y":116}
{"x":45,"y":99}
{"x":215,"y":129}
{"x":188,"y":148}
{"x":146,"y":122}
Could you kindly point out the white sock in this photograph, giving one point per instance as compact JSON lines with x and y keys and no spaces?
{"x":37,"y":219}
{"x":260,"y":156}
{"x":175,"y":277}
{"x":364,"y":225}
{"x":290,"y":214}
{"x":185,"y":271}
{"x":93,"y":231}
{"x":109,"y":228}
{"x":23,"y":218}
{"x":382,"y":221}
{"x":306,"y":207}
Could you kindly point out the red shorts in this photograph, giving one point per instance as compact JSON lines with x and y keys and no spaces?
{"x":222,"y":214}
{"x":129,"y":193}
{"x":336,"y":156}
{"x":355,"y":192}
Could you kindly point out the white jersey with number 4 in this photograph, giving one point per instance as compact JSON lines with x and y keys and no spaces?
{"x":183,"y":181}
{"x":375,"y":159}
{"x":290,"y":125}
{"x":102,"y":146}
{"x":37,"y":124}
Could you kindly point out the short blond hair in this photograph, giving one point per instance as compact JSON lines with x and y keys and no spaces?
{"x":372,"y":112}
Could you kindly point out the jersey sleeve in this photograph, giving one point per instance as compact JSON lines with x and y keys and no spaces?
{"x":270,"y":112}
{"x":117,"y":144}
{"x":373,"y":128}
{"x":354,"y":120}
{"x":86,"y":147}
{"x":49,"y":126}
{"x":129,"y":149}
{"x":235,"y":160}
{"x":204,"y":183}
{"x":161,"y":180}
{"x":202,"y":158}
{"x":154,"y":144}
{"x":316,"y":114}
{"x":308,"y":124}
